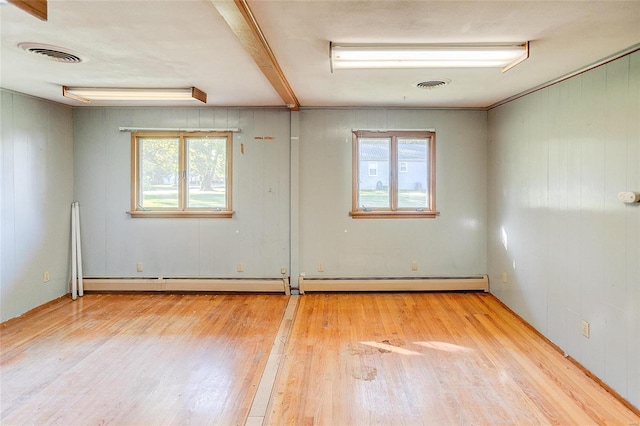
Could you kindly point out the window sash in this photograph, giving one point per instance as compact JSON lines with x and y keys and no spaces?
{"x":373,"y":188}
{"x":184,"y":208}
{"x":212,"y":178}
{"x":410,"y":186}
{"x":151,"y":174}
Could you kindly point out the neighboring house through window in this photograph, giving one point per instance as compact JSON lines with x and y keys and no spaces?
{"x":176,"y":174}
{"x":404,"y":181}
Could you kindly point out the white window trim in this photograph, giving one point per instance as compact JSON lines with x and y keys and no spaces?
{"x":373,"y":167}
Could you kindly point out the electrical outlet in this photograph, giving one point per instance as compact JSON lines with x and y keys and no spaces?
{"x":240,"y":267}
{"x":283,"y":271}
{"x":320,"y":267}
{"x":46,"y":277}
{"x":586,"y":332}
{"x":414,"y":266}
{"x":504,"y":277}
{"x":139,"y":267}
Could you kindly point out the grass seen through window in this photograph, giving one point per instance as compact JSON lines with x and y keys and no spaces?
{"x":381,"y":198}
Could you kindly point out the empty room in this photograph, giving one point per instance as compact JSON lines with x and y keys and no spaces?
{"x":332,"y":212}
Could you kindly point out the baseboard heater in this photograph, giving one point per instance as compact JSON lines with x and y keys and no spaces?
{"x":468,"y":283}
{"x":251,"y":285}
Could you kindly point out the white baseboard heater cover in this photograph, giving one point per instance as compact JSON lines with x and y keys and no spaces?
{"x":253,"y":285}
{"x":468,"y":283}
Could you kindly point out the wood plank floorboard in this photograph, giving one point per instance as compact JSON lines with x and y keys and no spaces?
{"x":428,"y":359}
{"x":350,"y":359}
{"x":137,"y":359}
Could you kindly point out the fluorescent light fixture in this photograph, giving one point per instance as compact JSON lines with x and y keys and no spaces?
{"x":499,"y":55}
{"x":88,"y":94}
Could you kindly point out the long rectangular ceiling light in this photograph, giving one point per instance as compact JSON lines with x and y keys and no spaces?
{"x":499,"y":55}
{"x":88,"y":94}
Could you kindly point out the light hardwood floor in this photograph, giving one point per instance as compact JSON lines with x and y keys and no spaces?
{"x":350,"y":359}
{"x":142,"y":359}
{"x":432,"y":359}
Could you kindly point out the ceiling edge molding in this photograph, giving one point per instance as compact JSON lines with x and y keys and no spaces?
{"x":604,"y":61}
{"x":242,"y":22}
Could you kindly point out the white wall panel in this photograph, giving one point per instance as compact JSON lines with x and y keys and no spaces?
{"x":88,"y":125}
{"x":557,"y":159}
{"x":258,"y":234}
{"x":557,"y":227}
{"x":8,"y":280}
{"x":451,"y":244}
{"x":37,"y":189}
{"x":616,"y":103}
{"x":632,"y":234}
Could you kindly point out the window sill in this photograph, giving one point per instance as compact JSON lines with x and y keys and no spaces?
{"x":402,"y":214}
{"x":181,"y":214}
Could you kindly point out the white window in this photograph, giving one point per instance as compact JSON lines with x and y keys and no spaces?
{"x":403,"y":167}
{"x":373,"y":169}
{"x":181,"y":174}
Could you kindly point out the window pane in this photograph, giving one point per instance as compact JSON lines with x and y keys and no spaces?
{"x":373,"y":173}
{"x":159,"y":178}
{"x":413,"y":165}
{"x":206,"y":172}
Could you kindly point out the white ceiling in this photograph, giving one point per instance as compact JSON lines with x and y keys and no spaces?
{"x":187,"y":43}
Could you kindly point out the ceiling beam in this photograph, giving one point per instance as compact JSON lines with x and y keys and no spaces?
{"x":240,"y":18}
{"x":37,"y":8}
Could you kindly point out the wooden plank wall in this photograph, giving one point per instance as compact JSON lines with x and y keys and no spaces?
{"x":570,"y":248}
{"x":257,"y":236}
{"x":454,"y":243}
{"x":37,"y":190}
